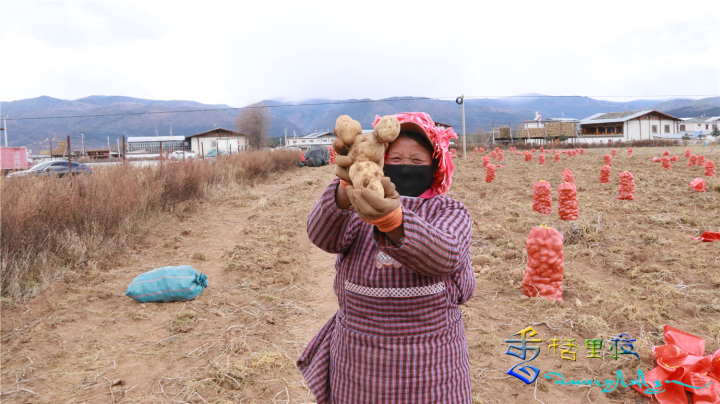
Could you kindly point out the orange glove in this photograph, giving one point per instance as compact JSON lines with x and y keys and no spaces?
{"x":385,"y":213}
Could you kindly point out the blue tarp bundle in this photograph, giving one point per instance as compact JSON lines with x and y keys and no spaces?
{"x":167,"y":284}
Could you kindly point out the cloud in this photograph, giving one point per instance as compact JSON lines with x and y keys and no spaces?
{"x":240,"y":52}
{"x":79,"y":25}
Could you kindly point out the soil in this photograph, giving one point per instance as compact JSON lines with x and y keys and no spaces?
{"x":630,"y":267}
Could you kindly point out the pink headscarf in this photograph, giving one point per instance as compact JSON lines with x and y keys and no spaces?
{"x":440,"y":140}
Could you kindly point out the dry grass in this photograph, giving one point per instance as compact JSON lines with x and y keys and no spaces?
{"x":51,"y":225}
{"x":630,"y":263}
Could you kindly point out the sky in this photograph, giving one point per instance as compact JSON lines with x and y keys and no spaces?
{"x":240,"y":52}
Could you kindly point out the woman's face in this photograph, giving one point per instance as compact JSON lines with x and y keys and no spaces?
{"x":407,"y":151}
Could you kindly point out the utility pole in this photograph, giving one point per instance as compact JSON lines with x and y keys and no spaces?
{"x":108,"y":146}
{"x":5,"y":126}
{"x":461,"y":100}
{"x":118,"y":142}
{"x":50,"y":153}
{"x":83,"y":143}
{"x":286,"y":137}
{"x":69,"y":156}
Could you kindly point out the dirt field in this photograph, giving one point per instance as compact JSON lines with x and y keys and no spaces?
{"x":630,"y":267}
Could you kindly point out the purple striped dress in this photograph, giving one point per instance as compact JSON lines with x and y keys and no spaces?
{"x":398,"y":335}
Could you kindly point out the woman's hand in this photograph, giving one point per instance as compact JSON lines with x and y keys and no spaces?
{"x":371,"y":207}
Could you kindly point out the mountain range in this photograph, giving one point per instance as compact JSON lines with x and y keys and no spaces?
{"x":299,"y":118}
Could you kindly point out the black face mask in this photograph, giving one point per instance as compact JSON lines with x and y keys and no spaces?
{"x":409,"y":179}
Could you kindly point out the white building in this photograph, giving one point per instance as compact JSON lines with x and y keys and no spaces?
{"x":703,"y":125}
{"x":153,"y":144}
{"x":313,"y":139}
{"x":218,"y":138}
{"x":626,"y":126}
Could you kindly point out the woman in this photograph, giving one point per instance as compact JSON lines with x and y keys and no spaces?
{"x":403,"y":267}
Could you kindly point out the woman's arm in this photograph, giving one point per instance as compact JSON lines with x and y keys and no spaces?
{"x":330,"y":227}
{"x":437,"y":247}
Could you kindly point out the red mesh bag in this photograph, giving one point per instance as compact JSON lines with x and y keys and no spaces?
{"x":557,"y":157}
{"x":490,"y":173}
{"x":629,"y":151}
{"x":542,"y":149}
{"x":482,"y":150}
{"x":701,"y":161}
{"x":554,"y":151}
{"x":698,"y":184}
{"x":544,"y":271}
{"x":626,"y":188}
{"x":567,"y":201}
{"x":605,"y":174}
{"x":582,"y":152}
{"x":528,"y":156}
{"x":666,"y":153}
{"x":614,"y":152}
{"x":687,"y":152}
{"x":656,"y":159}
{"x":673,"y":158}
{"x":541,"y":159}
{"x":302,"y":157}
{"x":333,"y":154}
{"x":518,"y":153}
{"x":710,"y":168}
{"x":692,"y":160}
{"x":493,"y":154}
{"x":608,"y":160}
{"x":533,"y":150}
{"x":501,"y":156}
{"x":476,"y":150}
{"x":542,"y":197}
{"x":568,"y":176}
{"x":486,"y":161}
{"x":666,"y":162}
{"x":497,"y":149}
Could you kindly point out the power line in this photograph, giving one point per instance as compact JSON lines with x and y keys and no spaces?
{"x":350,"y":102}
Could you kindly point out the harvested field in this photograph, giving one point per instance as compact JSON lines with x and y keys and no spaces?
{"x":630,"y":267}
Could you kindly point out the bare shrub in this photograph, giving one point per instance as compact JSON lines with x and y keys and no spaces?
{"x":254,"y":123}
{"x":53,"y":224}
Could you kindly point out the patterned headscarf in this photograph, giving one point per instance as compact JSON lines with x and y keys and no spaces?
{"x":440,"y":140}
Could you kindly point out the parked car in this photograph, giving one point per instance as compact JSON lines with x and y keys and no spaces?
{"x":58,"y":168}
{"x":214,"y":153}
{"x":178,"y":155}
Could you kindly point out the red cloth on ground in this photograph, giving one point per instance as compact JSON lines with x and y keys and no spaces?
{"x":708,"y":236}
{"x":682,"y":360}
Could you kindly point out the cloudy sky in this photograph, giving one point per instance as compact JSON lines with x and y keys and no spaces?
{"x":237,"y":52}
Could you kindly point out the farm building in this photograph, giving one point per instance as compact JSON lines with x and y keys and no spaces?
{"x":698,"y":126}
{"x":218,"y":138}
{"x":313,"y":139}
{"x":539,"y":130}
{"x":153,"y":144}
{"x":626,"y":126}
